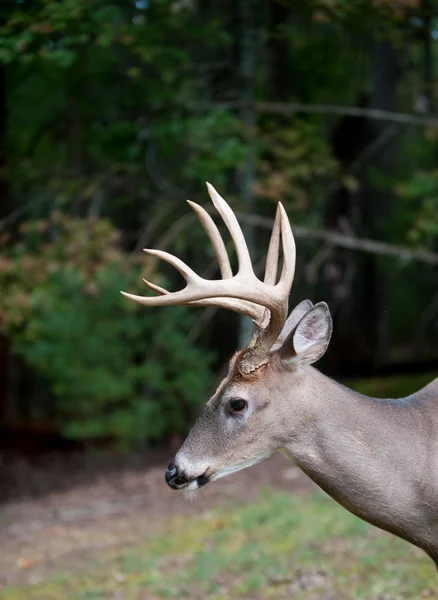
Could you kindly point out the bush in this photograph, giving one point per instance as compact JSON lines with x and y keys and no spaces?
{"x":114,"y":368}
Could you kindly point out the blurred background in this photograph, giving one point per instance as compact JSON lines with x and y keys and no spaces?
{"x":112,"y":113}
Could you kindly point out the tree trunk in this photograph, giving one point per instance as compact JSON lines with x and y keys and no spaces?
{"x":379,"y":200}
{"x":357,"y":286}
{"x":5,"y":209}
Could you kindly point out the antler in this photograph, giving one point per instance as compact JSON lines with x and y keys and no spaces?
{"x":266,"y":302}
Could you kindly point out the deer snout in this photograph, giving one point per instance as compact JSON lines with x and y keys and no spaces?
{"x":177,"y":478}
{"x":174,"y":478}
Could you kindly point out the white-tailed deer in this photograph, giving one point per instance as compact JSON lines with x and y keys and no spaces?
{"x":377,"y":458}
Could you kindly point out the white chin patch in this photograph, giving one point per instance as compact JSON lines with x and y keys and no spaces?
{"x":192,"y":486}
{"x":234,"y":468}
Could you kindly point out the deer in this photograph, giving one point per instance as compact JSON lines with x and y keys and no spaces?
{"x":378,"y":458}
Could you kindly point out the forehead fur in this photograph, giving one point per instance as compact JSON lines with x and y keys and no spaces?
{"x":235,"y":375}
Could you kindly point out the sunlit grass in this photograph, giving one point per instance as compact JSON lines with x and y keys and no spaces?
{"x":281,"y":546}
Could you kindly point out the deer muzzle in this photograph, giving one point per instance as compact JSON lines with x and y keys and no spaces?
{"x":177,"y":479}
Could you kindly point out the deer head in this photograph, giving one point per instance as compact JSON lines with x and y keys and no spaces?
{"x":244,"y":421}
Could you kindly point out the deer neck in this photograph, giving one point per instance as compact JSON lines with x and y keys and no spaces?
{"x":367,"y":454}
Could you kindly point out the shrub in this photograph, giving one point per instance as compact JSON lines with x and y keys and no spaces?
{"x":114,"y":368}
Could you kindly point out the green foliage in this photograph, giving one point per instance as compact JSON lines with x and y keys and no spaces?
{"x":104,"y":107}
{"x":296,"y":167}
{"x":420,"y":193}
{"x":114,"y":369}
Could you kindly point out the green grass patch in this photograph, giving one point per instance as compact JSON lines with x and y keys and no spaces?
{"x":281,"y":546}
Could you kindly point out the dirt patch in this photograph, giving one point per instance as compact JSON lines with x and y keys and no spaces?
{"x":104,"y":508}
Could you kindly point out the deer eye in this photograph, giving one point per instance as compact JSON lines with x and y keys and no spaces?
{"x":237,"y":405}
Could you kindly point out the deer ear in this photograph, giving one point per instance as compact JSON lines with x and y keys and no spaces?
{"x":292,"y":321}
{"x":309,"y":340}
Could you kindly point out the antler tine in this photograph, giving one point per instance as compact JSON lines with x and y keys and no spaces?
{"x":234,"y":228}
{"x":215,"y":237}
{"x":166,"y":298}
{"x":273,"y":251}
{"x":155,"y":288}
{"x":185,"y":270}
{"x":254,"y":311}
{"x":289,"y":252}
{"x":264,"y":338}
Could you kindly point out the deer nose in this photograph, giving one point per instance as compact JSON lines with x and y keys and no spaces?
{"x":174,"y":478}
{"x":170,"y":471}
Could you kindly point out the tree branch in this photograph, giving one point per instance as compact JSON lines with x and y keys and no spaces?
{"x":284,"y":108}
{"x":351,"y":243}
{"x":330,"y":237}
{"x":287,"y":108}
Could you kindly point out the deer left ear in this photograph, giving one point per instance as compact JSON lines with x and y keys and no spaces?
{"x":309,"y":340}
{"x":292,"y":321}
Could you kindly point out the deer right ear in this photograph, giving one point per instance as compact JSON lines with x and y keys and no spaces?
{"x":309,"y":340}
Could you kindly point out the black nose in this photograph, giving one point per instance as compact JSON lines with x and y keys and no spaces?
{"x":175,"y":478}
{"x":170,"y":471}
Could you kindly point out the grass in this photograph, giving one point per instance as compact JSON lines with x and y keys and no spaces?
{"x":281,"y":546}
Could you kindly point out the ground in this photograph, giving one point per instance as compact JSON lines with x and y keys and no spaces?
{"x":267,"y":532}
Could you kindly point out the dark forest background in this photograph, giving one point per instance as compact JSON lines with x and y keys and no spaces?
{"x":112,"y":113}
